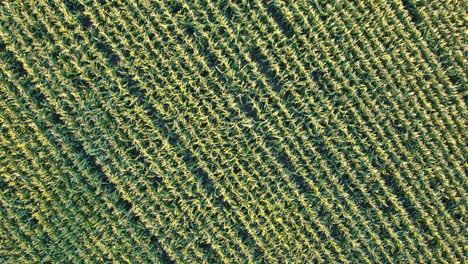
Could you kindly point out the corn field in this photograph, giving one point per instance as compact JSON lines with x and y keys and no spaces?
{"x":233,"y":131}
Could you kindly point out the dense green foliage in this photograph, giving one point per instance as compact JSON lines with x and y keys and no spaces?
{"x":157,"y":131}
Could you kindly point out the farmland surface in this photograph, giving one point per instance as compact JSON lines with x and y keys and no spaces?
{"x":233,"y":131}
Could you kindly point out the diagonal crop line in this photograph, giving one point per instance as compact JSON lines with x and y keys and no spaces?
{"x":157,"y":131}
{"x":441,"y":175}
{"x":30,"y":252}
{"x":56,"y":169}
{"x":436,"y":152}
{"x":43,"y":196}
{"x":429,"y":52}
{"x":443,"y":32}
{"x":430,"y":65}
{"x":40,"y":181}
{"x":85,"y":170}
{"x":461,"y":142}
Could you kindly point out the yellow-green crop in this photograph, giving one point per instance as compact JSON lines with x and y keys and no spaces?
{"x":233,"y":131}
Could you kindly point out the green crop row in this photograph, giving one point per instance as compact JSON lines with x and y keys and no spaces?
{"x":155,"y":131}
